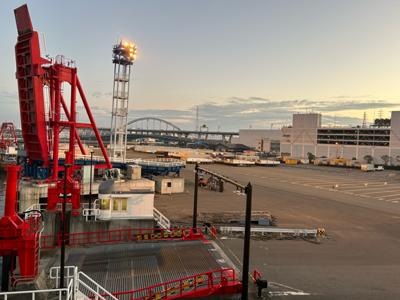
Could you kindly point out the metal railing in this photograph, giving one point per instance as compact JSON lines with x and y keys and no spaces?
{"x":92,"y":289}
{"x":203,"y":284}
{"x":161,"y":219}
{"x":80,"y":239}
{"x":80,"y":282}
{"x":91,"y":212}
{"x":271,"y":230}
{"x":63,"y":294}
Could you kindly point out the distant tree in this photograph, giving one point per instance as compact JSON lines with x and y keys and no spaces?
{"x":310,"y":156}
{"x":397,"y":159}
{"x":368,"y":159}
{"x":386,"y":159}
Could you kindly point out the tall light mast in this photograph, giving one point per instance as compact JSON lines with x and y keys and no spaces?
{"x":123,"y":56}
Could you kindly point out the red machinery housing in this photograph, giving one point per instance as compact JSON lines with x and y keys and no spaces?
{"x":18,"y":237}
{"x":40,"y":128}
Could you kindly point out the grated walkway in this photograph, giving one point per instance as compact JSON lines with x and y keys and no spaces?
{"x":133,"y":266}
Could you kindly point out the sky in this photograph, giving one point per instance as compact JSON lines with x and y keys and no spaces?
{"x":245,"y":64}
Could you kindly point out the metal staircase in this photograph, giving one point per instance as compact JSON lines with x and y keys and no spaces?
{"x":161,"y":219}
{"x":84,"y":287}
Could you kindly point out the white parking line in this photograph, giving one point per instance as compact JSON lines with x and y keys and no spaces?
{"x":383,"y":191}
{"x":365,"y":188}
{"x":389,"y":196}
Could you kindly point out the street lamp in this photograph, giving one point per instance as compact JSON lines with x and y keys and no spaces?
{"x":247,"y":190}
{"x":90,"y":183}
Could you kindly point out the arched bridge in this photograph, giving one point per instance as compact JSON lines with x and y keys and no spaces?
{"x":161,"y":129}
{"x":152,"y":123}
{"x":151,"y":127}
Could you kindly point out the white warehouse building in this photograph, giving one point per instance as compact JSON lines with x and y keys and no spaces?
{"x":308,"y":135}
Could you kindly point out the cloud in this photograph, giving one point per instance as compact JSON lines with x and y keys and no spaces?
{"x":257,"y":112}
{"x":232,"y":113}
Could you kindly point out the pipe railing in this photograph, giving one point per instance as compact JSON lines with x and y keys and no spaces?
{"x":182,"y":287}
{"x":120,"y":236}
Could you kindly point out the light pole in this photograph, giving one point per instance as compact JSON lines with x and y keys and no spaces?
{"x":246,"y":245}
{"x":90,"y":183}
{"x":248,"y":191}
{"x":196,"y":188}
{"x":64,"y":203}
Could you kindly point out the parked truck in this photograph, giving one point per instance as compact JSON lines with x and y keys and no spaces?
{"x":367,"y":167}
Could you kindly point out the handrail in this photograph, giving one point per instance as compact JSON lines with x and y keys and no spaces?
{"x":76,"y":280}
{"x":60,"y":292}
{"x":183,"y":286}
{"x":122,"y":235}
{"x":161,"y":219}
{"x":99,"y":292}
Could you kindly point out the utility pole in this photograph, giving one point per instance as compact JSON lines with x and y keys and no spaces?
{"x":197,"y":118}
{"x":90,"y":183}
{"x":195,"y":197}
{"x":246,"y":246}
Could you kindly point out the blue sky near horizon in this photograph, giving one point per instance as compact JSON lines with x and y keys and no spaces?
{"x":244,"y":64}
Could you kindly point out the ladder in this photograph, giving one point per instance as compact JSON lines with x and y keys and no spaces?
{"x":161,"y":219}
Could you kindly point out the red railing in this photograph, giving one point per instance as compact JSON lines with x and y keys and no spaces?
{"x":120,"y":236}
{"x":222,"y":281}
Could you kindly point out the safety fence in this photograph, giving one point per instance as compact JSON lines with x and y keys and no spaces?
{"x":222,"y":281}
{"x":80,"y":239}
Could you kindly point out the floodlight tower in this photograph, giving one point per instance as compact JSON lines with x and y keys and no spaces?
{"x":123,"y":56}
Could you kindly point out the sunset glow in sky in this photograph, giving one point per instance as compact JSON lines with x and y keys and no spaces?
{"x":244,"y":63}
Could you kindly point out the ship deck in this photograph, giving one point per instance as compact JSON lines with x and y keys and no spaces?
{"x":133,"y":266}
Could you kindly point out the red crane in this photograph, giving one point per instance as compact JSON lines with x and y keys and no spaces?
{"x":40,"y":128}
{"x":7,"y":135}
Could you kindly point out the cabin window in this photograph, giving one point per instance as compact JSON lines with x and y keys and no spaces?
{"x":115,"y":204}
{"x":105,"y":204}
{"x":120,"y":204}
{"x":124,"y":204}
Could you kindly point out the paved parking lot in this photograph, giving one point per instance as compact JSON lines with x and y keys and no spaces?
{"x":360,"y":212}
{"x":380,"y":185}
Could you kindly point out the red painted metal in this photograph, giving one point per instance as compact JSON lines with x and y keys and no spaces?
{"x":7,"y":135}
{"x":216,"y":282}
{"x":41,"y":135}
{"x":256,"y":275}
{"x":116,"y":236}
{"x":18,"y":237}
{"x":30,"y":88}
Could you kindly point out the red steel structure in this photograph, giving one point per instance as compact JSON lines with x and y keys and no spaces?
{"x":117,"y":236}
{"x":212,"y":283}
{"x":40,"y":128}
{"x":7,"y":135}
{"x":18,"y":237}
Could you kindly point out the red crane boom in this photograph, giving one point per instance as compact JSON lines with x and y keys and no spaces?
{"x":40,"y":129}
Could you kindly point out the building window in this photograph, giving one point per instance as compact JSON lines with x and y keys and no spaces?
{"x":105,"y":204}
{"x":124,"y":204}
{"x":169,"y":184}
{"x":120,"y":204}
{"x":115,"y":204}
